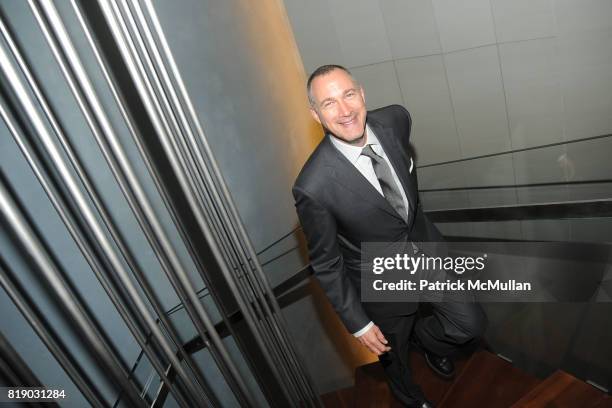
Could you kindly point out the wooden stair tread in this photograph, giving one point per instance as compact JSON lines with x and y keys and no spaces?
{"x":372,"y":390}
{"x":482,"y":380}
{"x":490,"y":381}
{"x":562,"y":390}
{"x":343,"y":398}
{"x":434,"y":387}
{"x":606,"y":402}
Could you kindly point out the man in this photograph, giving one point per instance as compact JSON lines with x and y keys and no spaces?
{"x":360,"y":185}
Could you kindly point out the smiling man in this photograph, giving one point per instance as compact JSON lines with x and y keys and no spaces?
{"x":360,"y":185}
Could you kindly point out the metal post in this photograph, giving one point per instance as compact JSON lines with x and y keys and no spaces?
{"x":49,"y":337}
{"x":72,"y":306}
{"x":234,"y":220}
{"x":188,"y":166}
{"x":122,"y":302}
{"x":186,"y":292}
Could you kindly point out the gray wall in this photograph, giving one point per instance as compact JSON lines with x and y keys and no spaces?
{"x":246,"y":80}
{"x":481,"y":77}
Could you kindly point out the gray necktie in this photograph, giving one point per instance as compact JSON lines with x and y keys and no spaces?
{"x":389,"y":187}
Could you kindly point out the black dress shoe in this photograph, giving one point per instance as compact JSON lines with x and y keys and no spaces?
{"x":443,"y":366}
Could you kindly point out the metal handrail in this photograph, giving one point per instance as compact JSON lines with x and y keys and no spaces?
{"x":526,"y":185}
{"x":562,"y":210}
{"x":483,"y":156}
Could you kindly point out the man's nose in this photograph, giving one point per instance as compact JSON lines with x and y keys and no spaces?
{"x":344,"y":109}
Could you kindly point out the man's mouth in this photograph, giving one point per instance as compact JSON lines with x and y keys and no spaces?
{"x":348,"y":122}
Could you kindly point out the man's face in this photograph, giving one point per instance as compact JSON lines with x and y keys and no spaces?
{"x":339,"y":105}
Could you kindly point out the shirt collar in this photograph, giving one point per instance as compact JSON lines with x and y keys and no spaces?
{"x":351,"y":152}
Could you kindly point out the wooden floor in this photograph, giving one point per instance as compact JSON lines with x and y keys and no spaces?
{"x":482,"y":380}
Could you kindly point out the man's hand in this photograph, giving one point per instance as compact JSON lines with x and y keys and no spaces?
{"x":374,"y":340}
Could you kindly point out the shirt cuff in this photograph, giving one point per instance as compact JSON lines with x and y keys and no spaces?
{"x":365,"y":329}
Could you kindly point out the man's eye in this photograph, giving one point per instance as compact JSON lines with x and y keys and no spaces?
{"x":328,"y":104}
{"x":350,"y":94}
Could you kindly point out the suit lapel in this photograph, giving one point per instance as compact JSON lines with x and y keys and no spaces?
{"x":398,"y":160}
{"x":347,"y":176}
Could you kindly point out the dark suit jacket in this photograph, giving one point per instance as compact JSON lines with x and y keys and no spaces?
{"x":339,"y":209}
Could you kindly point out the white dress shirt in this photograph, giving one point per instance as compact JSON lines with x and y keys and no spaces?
{"x":365,"y":167}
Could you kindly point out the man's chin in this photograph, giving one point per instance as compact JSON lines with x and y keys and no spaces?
{"x":357,"y":140}
{"x":353,"y":139}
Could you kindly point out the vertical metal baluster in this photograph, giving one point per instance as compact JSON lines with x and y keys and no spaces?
{"x":14,"y":368}
{"x":128,"y":120}
{"x":72,"y":306}
{"x":182,"y":149}
{"x":123,"y":310}
{"x":136,"y":137}
{"x":189,"y":167}
{"x":143,"y":87}
{"x":86,"y":212}
{"x":49,"y":337}
{"x":159,"y":64}
{"x":199,"y":316}
{"x":82,"y":243}
{"x":261,"y":277}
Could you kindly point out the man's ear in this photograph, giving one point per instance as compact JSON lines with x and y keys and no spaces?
{"x":315,"y":115}
{"x":362,"y":92}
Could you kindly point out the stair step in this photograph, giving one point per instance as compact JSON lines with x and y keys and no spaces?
{"x":562,"y":390}
{"x":343,"y":398}
{"x":488,"y":380}
{"x":434,"y":387}
{"x":372,"y":390}
{"x":606,"y":402}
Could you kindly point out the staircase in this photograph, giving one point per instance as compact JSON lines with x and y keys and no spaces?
{"x":482,"y":380}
